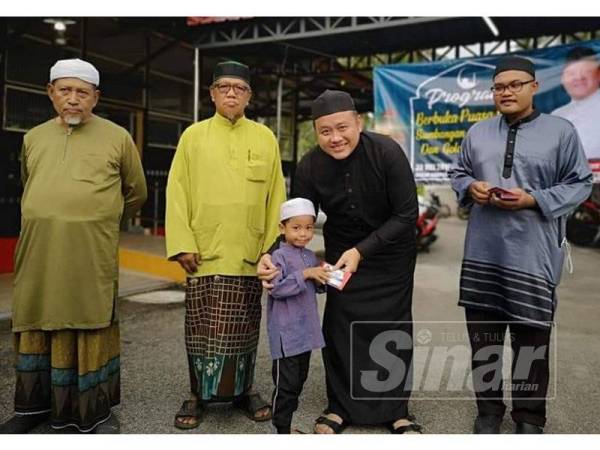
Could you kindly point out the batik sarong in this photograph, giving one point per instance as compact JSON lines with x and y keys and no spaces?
{"x":73,"y":374}
{"x":222,"y":323}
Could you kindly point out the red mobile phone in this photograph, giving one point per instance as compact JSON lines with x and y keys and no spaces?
{"x":503,"y":194}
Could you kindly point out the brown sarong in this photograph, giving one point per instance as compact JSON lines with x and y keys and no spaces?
{"x":222,"y":324}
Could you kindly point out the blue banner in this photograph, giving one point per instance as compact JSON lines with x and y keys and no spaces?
{"x":428,"y":107}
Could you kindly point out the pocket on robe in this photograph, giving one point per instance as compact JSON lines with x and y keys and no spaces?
{"x":208,"y":240}
{"x":89,"y":169}
{"x":253,"y":244}
{"x":256,"y":171}
{"x":256,"y":183}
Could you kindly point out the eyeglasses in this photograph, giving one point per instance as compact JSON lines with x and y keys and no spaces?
{"x":238,"y":89}
{"x":513,"y":86}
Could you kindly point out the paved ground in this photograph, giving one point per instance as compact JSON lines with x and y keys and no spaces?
{"x":154,"y":375}
{"x":130,"y":282}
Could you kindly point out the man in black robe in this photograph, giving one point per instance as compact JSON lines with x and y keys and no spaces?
{"x":364,"y":184}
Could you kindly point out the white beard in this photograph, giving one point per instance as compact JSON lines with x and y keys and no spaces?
{"x":72,"y":120}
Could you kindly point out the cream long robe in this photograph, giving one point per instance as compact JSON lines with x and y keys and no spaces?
{"x":224,"y":191}
{"x":78,"y":183}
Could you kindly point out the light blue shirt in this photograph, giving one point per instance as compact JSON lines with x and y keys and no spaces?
{"x":513,"y":259}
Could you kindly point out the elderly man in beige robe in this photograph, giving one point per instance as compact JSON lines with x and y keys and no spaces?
{"x":81,"y":175}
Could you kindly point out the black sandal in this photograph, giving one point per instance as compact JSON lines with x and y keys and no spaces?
{"x":250,"y":404}
{"x":189,"y":408}
{"x":337,"y":428}
{"x":412,"y":428}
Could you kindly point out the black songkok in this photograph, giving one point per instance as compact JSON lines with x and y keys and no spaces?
{"x":232,"y":69}
{"x":330,"y":102}
{"x":514,"y":63}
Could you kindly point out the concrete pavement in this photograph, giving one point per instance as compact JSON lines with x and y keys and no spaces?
{"x":154,"y":373}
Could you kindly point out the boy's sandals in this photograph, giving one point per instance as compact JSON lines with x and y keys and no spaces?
{"x":405,"y":426}
{"x":336,"y":427}
{"x":189,"y":409}
{"x":251,"y":405}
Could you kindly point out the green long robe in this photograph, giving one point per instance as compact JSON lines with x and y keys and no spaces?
{"x":224,"y":191}
{"x":78,"y":184}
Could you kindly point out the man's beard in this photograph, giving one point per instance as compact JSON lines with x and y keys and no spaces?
{"x":233,"y":118}
{"x":72,"y":120}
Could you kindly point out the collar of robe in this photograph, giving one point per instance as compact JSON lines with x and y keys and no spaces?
{"x":284,"y":244}
{"x":534,"y":115}
{"x":69,"y":129}
{"x":226,"y":122}
{"x":511,"y":140}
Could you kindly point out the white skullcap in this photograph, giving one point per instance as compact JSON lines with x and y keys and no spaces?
{"x":75,"y":68}
{"x":296,"y":207}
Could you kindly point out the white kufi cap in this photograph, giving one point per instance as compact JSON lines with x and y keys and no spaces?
{"x":75,"y":68}
{"x":296,"y":207}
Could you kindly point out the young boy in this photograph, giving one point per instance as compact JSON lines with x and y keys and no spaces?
{"x":292,"y":316}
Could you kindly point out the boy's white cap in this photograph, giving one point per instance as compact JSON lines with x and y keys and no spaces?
{"x":296,"y":207}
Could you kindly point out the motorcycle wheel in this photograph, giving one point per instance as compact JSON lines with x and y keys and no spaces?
{"x":581,"y":227}
{"x":463,"y":213}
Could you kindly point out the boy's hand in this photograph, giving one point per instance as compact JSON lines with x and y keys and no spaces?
{"x":319,"y":274}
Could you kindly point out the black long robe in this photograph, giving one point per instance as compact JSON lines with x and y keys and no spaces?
{"x":370,"y":202}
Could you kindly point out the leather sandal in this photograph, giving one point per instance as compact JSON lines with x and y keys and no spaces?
{"x":412,"y":428}
{"x":337,"y":427}
{"x":189,"y":408}
{"x":250,"y":404}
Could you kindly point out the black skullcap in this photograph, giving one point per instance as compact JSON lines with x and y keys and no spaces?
{"x":232,"y":69}
{"x":577,"y":53}
{"x":330,"y":102}
{"x":514,"y":63}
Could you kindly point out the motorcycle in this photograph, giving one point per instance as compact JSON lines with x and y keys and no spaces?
{"x":427,"y":221}
{"x":444,"y":210}
{"x":583,"y":224}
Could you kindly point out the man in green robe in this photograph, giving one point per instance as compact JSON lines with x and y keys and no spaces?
{"x":224,"y":191}
{"x":81,"y":175}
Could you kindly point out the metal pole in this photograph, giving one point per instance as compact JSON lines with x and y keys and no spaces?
{"x":294,"y":135}
{"x":84,"y":37}
{"x":196,"y":82}
{"x":279,"y":101}
{"x":155,"y":218}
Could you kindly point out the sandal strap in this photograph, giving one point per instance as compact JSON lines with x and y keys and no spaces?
{"x":404,"y":428}
{"x":412,"y":426}
{"x":189,"y":408}
{"x":253,"y":403}
{"x":335,"y":426}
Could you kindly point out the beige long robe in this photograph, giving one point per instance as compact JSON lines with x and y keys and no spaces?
{"x":78,"y":183}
